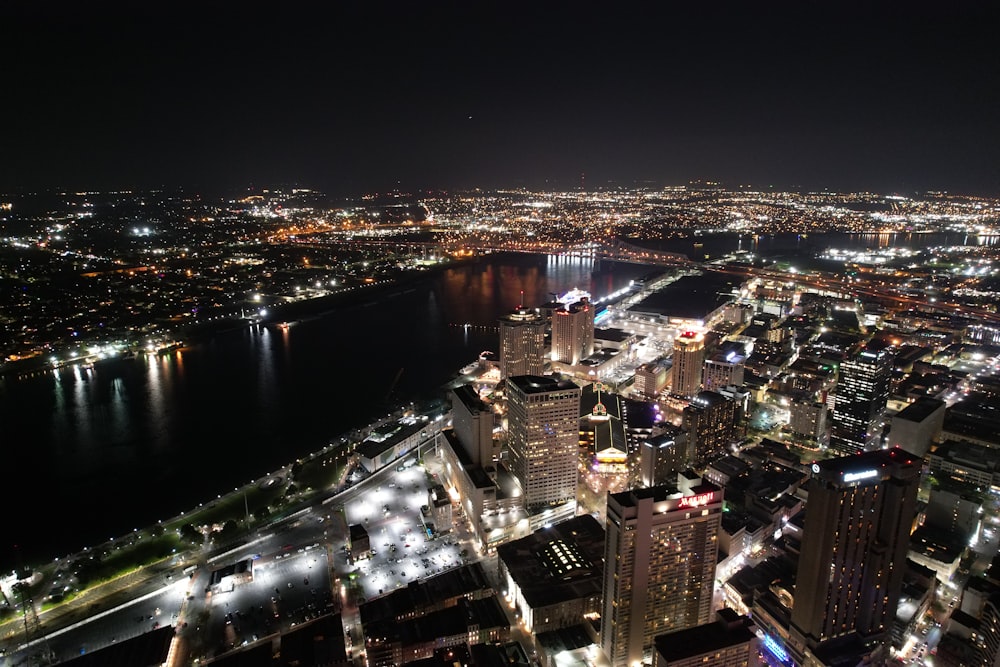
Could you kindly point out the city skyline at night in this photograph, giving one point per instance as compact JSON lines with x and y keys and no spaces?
{"x":286,"y":377}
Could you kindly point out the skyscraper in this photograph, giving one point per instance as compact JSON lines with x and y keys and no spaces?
{"x":522,"y":343}
{"x":573,"y":332}
{"x":689,"y":357}
{"x":659,"y":566}
{"x":861,"y":396}
{"x":472,"y":421}
{"x":853,"y":553}
{"x":543,"y":427}
{"x":662,"y":456}
{"x":710,"y":424}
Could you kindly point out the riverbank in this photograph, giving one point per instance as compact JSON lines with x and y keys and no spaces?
{"x":210,"y":327}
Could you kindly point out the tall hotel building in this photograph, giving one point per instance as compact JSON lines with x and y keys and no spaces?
{"x":543,"y":436}
{"x":522,"y":343}
{"x":573,"y":332}
{"x":710,"y":423}
{"x":689,"y":357}
{"x":860,"y":400}
{"x":659,"y":566}
{"x":853,"y":554}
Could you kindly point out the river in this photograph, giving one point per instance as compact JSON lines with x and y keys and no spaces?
{"x":92,"y":454}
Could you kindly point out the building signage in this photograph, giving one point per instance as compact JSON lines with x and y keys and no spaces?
{"x":700,"y":500}
{"x":864,"y":474}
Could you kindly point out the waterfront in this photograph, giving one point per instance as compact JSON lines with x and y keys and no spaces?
{"x":94,"y":453}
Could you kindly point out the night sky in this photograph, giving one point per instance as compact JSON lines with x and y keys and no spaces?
{"x":371,"y":96}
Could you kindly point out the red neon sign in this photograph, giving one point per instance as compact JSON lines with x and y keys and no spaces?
{"x":699,"y":500}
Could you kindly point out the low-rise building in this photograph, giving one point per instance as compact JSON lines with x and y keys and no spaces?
{"x":553,"y":577}
{"x":729,"y":640}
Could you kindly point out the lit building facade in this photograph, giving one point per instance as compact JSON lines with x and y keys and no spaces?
{"x":573,"y":332}
{"x":689,"y":358}
{"x":729,"y":641}
{"x":472,"y":420}
{"x":710,"y":424}
{"x":853,"y":553}
{"x":861,"y":396}
{"x":662,"y":456}
{"x":659,"y":566}
{"x":522,"y":343}
{"x":543,"y":432}
{"x":651,"y":378}
{"x":722,"y":370}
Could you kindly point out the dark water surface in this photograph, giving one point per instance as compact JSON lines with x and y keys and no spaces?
{"x":93,"y":454}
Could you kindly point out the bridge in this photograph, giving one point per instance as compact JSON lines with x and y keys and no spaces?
{"x":612,"y":249}
{"x":622,"y":251}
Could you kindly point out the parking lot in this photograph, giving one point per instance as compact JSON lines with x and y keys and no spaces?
{"x":288,"y":588}
{"x":403,"y":550}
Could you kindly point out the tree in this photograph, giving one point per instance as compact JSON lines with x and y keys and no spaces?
{"x":190,"y":533}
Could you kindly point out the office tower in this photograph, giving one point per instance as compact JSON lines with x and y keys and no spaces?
{"x":861,"y":396}
{"x":651,"y":378}
{"x":522,"y":343}
{"x":723,"y":369}
{"x":573,"y":332}
{"x":918,"y":425}
{"x":659,"y":566}
{"x":661,"y":456}
{"x":472,"y":421}
{"x":543,"y":435}
{"x":689,"y":357}
{"x":710,"y":424}
{"x":853,"y":552}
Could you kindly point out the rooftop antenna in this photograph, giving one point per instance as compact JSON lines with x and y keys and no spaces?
{"x":520,"y":304}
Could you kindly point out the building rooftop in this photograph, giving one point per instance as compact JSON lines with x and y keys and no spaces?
{"x":466,"y":393}
{"x":387,"y":437}
{"x":730,"y":629}
{"x":612,"y":334}
{"x":878,"y":464}
{"x":559,"y":563}
{"x":425,"y":594}
{"x":535,"y":384}
{"x":920,"y":409}
{"x":690,"y":297}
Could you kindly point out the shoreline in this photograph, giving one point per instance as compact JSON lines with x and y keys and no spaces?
{"x":195,"y":332}
{"x":305,"y":310}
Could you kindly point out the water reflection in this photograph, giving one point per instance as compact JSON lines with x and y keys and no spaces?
{"x":167,"y":432}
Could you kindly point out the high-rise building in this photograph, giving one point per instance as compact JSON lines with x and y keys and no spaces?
{"x":853,"y":552}
{"x":722,"y":369}
{"x":659,"y":566}
{"x":689,"y":357}
{"x":710,"y":424}
{"x":522,"y":343}
{"x":651,"y":378}
{"x":917,"y":426}
{"x":987,"y":636}
{"x":861,"y":396}
{"x":573,"y":332}
{"x":543,"y":436}
{"x":472,"y":421}
{"x":661,"y":456}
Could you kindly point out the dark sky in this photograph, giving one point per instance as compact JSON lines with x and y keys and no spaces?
{"x":365,"y":96}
